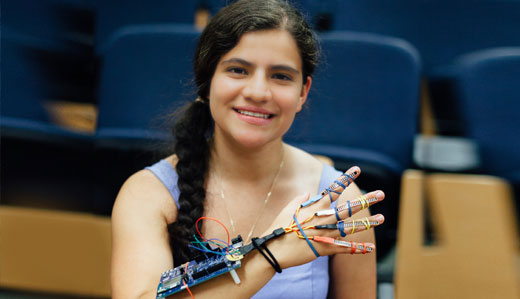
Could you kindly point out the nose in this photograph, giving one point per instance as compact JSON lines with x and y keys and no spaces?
{"x":257,"y":88}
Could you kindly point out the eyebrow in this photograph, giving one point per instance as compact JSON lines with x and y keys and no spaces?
{"x":237,"y":60}
{"x":278,"y":67}
{"x":282,"y":67}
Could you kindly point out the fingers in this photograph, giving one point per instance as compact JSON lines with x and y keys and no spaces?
{"x":351,"y":207}
{"x":334,"y":191}
{"x":354,"y":226}
{"x":345,"y":228}
{"x":351,"y":247}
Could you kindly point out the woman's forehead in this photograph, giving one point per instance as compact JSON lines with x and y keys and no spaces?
{"x":266,"y":47}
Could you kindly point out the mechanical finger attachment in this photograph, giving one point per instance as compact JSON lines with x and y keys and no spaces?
{"x":354,"y":246}
{"x":336,"y":188}
{"x":344,"y":226}
{"x":362,"y":202}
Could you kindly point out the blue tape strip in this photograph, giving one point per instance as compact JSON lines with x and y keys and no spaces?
{"x":330,"y":193}
{"x":341,"y":228}
{"x":305,"y":236}
{"x":350,"y":177}
{"x":337,"y":215}
{"x":349,"y":209}
{"x":312,"y":200}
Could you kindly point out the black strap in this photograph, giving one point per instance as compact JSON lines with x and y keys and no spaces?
{"x":260,"y":241}
{"x":261,"y":248}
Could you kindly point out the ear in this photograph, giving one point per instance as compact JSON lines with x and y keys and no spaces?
{"x":305,"y":92}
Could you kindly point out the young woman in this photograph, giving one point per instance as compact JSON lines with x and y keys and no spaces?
{"x":253,"y":69}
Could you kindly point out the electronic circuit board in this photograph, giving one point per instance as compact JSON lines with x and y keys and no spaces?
{"x":197,"y":271}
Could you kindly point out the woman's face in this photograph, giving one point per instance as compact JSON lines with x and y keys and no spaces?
{"x":257,"y":88}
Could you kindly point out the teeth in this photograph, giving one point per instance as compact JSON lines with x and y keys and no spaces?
{"x":255,"y":114}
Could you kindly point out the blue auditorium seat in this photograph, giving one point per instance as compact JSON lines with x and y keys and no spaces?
{"x":146,"y":71}
{"x":44,"y":41}
{"x":488,"y":89}
{"x":56,"y":20}
{"x":114,"y":14}
{"x":25,"y":88}
{"x":363,"y":110}
{"x":440,"y":30}
{"x":364,"y":101}
{"x":318,"y":13}
{"x":43,"y":57}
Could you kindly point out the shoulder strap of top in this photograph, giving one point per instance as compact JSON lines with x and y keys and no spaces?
{"x":165,"y":172}
{"x":328,"y":175}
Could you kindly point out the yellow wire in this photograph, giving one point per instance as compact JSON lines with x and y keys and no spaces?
{"x":363,"y":200}
{"x":366,"y":222}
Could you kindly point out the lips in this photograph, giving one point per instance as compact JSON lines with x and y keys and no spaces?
{"x":260,"y":113}
{"x":254,"y":116}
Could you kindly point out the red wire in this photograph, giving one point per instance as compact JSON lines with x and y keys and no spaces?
{"x":209,"y":218}
{"x":187,"y":288}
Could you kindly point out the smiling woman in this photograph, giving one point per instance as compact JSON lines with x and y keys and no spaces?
{"x":253,"y":69}
{"x":258,"y":88}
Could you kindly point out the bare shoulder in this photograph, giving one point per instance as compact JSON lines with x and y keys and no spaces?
{"x":140,"y":240}
{"x":143,"y":192}
{"x":305,"y":170}
{"x":304,"y":159}
{"x":308,"y":163}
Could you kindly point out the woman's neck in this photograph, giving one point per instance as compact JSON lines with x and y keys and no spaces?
{"x":237,"y":163}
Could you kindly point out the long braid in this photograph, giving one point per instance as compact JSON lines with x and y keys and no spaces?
{"x":192,"y":150}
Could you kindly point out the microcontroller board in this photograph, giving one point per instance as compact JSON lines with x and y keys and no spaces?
{"x":198,"y":271}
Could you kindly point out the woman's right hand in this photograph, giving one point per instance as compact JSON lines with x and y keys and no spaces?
{"x":291,"y":250}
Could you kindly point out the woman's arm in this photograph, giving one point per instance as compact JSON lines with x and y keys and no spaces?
{"x":354,"y":276}
{"x":141,"y":251}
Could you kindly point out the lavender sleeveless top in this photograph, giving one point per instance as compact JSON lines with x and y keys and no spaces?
{"x":309,"y":280}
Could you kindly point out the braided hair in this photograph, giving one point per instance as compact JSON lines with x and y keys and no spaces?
{"x":194,"y":128}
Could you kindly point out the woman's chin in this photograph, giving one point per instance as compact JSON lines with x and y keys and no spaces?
{"x":254,"y":141}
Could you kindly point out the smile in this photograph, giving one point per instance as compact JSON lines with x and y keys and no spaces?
{"x":254,"y":114}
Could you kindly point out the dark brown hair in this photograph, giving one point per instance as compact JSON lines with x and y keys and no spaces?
{"x":195,"y":126}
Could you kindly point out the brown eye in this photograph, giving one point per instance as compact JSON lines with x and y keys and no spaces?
{"x":237,"y":70}
{"x":282,"y":77}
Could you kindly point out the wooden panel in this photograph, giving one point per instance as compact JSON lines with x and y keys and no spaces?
{"x":58,"y":252}
{"x":475,"y":254}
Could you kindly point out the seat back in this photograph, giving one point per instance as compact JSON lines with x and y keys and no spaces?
{"x":146,"y":71}
{"x":476,"y":247}
{"x":116,"y":14}
{"x":488,"y":90}
{"x":440,"y":30}
{"x":364,"y":101}
{"x":22,"y":92}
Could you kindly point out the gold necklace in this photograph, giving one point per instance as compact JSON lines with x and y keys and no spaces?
{"x":267,"y":197}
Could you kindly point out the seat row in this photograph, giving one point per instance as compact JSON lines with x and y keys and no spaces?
{"x":367,"y":90}
{"x":441,"y":30}
{"x":58,"y":47}
{"x":363,"y":107}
